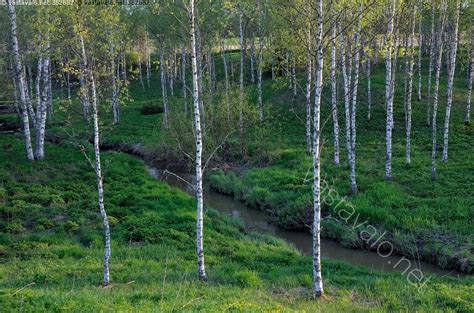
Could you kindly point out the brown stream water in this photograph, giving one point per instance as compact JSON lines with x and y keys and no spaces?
{"x":255,"y":220}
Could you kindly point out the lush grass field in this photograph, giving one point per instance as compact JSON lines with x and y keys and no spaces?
{"x":51,"y":250}
{"x":50,"y":229}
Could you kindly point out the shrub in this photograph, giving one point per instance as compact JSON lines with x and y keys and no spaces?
{"x":151,"y":109}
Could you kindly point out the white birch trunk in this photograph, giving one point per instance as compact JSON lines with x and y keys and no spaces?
{"x":469,"y":84}
{"x":241,"y":78}
{"x":198,"y":138}
{"x":20,"y":80}
{"x":334,"y":95}
{"x":430,"y":66}
{"x":163,"y":87}
{"x":115,"y":91}
{"x":260,"y":62}
{"x":389,"y":80}
{"x":41,"y":111}
{"x":409,"y":91}
{"x":309,"y":74}
{"x":183,"y":79}
{"x":449,"y":92}
{"x":317,"y":277}
{"x":84,"y":89}
{"x":100,"y":187}
{"x":148,"y":59}
{"x":29,"y":105}
{"x":420,"y":46}
{"x":369,"y":88}
{"x":355,"y":87}
{"x":226,"y":77}
{"x":436,"y":91}
{"x":347,"y":92}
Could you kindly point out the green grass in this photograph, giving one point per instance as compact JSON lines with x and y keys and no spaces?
{"x":50,"y":230}
{"x":51,"y":250}
{"x":435,"y":214}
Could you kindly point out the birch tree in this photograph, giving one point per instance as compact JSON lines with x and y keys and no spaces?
{"x":309,"y":73}
{"x":410,"y":89}
{"x":420,"y":48}
{"x":334,"y":95}
{"x":198,"y":140}
{"x":163,"y":86}
{"x":453,"y":46}
{"x":100,"y":187}
{"x":430,"y":66}
{"x":389,"y":80}
{"x":260,"y":59}
{"x":241,"y":77}
{"x":439,"y":57}
{"x":469,"y":84}
{"x":20,"y":80}
{"x":317,"y":277}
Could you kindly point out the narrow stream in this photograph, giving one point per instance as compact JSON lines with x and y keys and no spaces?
{"x":255,"y":220}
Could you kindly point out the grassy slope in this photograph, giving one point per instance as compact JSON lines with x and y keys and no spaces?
{"x":50,"y":236}
{"x":426,"y":217}
{"x":50,"y":231}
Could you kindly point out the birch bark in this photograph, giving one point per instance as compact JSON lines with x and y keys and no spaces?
{"x":389,"y":80}
{"x":449,"y":92}
{"x":334,"y":95}
{"x":100,"y":187}
{"x":198,"y":139}
{"x":163,"y":87}
{"x":409,"y":91}
{"x":20,"y":82}
{"x":317,"y":277}
{"x":436,"y":90}
{"x":430,"y":66}
{"x":469,"y":84}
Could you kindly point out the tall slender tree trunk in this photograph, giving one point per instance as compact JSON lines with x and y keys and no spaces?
{"x":420,"y":50}
{"x":84,"y":89}
{"x":355,"y":87}
{"x":369,"y":87}
{"x":100,"y":187}
{"x":260,"y":63}
{"x":449,"y":92}
{"x":183,"y":79}
{"x":469,"y":83}
{"x":226,"y":77}
{"x":309,"y":74}
{"x":409,"y":91}
{"x":389,"y":80}
{"x":29,"y":105}
{"x":241,"y":78}
{"x":430,"y":66}
{"x":20,"y":82}
{"x":317,"y":277}
{"x":334,"y":95}
{"x":439,"y":58}
{"x":163,"y":87}
{"x":148,"y":59}
{"x":198,"y":139}
{"x":115,"y":91}
{"x":42,"y":108}
{"x":347,"y":92}
{"x":49,"y":87}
